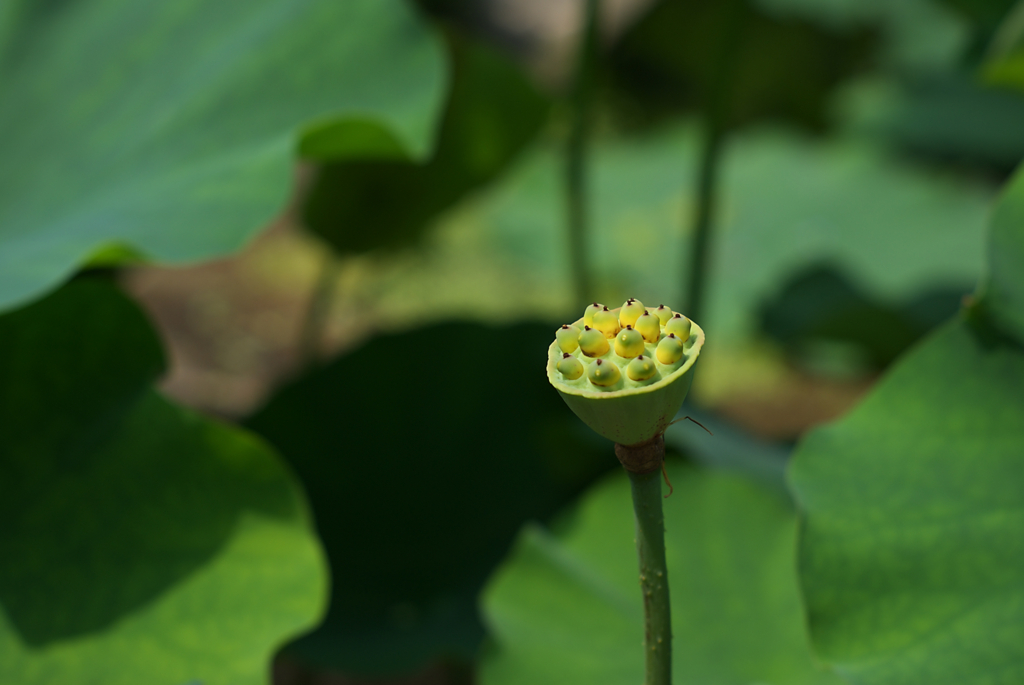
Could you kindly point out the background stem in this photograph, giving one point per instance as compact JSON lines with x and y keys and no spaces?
{"x":707,"y":182}
{"x":311,"y":335}
{"x":576,"y":154}
{"x":650,"y":547}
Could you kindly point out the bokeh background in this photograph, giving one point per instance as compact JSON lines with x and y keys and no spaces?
{"x":352,"y":232}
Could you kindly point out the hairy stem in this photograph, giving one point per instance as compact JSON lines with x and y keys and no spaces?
{"x":644,"y":463}
{"x":576,"y":154}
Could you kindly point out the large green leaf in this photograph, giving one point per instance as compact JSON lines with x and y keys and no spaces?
{"x":423,"y":453}
{"x":912,"y":555}
{"x":1003,"y":291}
{"x":141,"y":542}
{"x":566,"y":608}
{"x":171,"y":127}
{"x":492,"y":113}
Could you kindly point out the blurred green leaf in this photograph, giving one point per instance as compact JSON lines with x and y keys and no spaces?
{"x":737,"y":62}
{"x":1003,"y":291}
{"x":566,"y":608}
{"x":141,"y":542}
{"x":912,"y":552}
{"x":171,"y":128}
{"x":787,"y":204}
{"x":423,"y":453}
{"x":492,"y":113}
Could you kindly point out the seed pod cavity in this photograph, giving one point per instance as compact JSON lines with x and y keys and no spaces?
{"x":649,"y":327}
{"x":629,"y":343}
{"x":570,"y":367}
{"x":641,"y":369}
{"x":603,"y":373}
{"x":670,"y":350}
{"x":568,"y":337}
{"x":592,"y":342}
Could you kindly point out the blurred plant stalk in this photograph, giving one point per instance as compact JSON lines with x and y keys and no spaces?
{"x":581,"y":116}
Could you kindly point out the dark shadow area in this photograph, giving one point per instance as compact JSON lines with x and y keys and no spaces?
{"x":423,"y":453}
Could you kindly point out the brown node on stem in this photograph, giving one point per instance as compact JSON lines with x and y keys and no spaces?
{"x":644,"y":457}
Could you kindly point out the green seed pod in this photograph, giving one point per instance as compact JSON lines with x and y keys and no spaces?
{"x":592,"y":342}
{"x":679,"y":325}
{"x":641,"y":368}
{"x":568,"y":337}
{"x":670,"y":349}
{"x":606,"y":322}
{"x":603,"y":373}
{"x":649,"y":327}
{"x":628,"y":412}
{"x":630,"y":312}
{"x":663,"y":313}
{"x":570,"y":367}
{"x":588,"y":313}
{"x":629,"y":343}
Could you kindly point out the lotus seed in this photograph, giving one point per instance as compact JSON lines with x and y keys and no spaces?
{"x":670,"y":349}
{"x":568,"y":337}
{"x":641,"y":368}
{"x":649,"y":327}
{"x":592,"y":342}
{"x":603,"y":374}
{"x":679,"y":325}
{"x":606,"y":322}
{"x":588,"y":313}
{"x":570,"y":367}
{"x":629,"y":343}
{"x":630,"y":312}
{"x":663,"y":313}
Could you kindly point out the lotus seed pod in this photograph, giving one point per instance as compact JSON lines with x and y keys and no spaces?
{"x":679,"y":325}
{"x":606,"y":322}
{"x":630,"y":312}
{"x":641,"y":368}
{"x":568,"y":337}
{"x":570,"y":367}
{"x":629,"y":343}
{"x":628,"y":411}
{"x":670,"y":349}
{"x":649,"y":327}
{"x":603,"y":373}
{"x":592,"y":342}
{"x":663,"y":313}
{"x":588,"y":313}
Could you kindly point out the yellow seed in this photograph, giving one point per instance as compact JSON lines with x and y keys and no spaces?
{"x":649,"y":327}
{"x":663,"y":313}
{"x":679,"y":325}
{"x":569,"y":366}
{"x":603,"y":373}
{"x":588,"y":313}
{"x":670,"y":349}
{"x":630,"y":312}
{"x":592,"y":342}
{"x":641,"y":368}
{"x":629,"y":343}
{"x":568,"y":337}
{"x":606,"y":322}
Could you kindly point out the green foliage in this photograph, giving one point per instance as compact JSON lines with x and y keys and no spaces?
{"x":735,"y":61}
{"x":787,"y":204}
{"x":911,"y":551}
{"x":493,"y":111}
{"x":911,"y":554}
{"x":422,"y":455}
{"x":136,"y":534}
{"x":1003,"y":289}
{"x":566,"y":607}
{"x":112,"y":133}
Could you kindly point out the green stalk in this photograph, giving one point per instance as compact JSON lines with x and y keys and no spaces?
{"x":700,"y":248}
{"x":650,"y":547}
{"x":576,"y":154}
